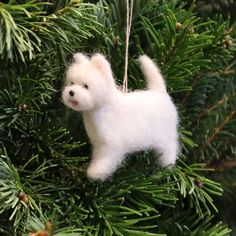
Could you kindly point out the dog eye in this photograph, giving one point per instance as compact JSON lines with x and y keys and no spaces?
{"x":85,"y":86}
{"x":71,"y":83}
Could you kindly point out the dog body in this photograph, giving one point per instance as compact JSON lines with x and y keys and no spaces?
{"x":118,"y":123}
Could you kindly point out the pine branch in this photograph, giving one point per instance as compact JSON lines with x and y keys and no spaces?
{"x":209,"y":109}
{"x":40,"y":226}
{"x":219,"y":128}
{"x":221,"y":165}
{"x":13,"y":199}
{"x":212,"y":108}
{"x":187,"y":224}
{"x":27,"y":28}
{"x":47,"y":164}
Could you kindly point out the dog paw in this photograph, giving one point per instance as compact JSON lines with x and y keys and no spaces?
{"x":96,"y":174}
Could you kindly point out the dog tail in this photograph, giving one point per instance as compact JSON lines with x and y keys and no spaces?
{"x":152,"y":73}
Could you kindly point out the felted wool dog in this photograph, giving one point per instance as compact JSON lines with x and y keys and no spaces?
{"x":118,"y":123}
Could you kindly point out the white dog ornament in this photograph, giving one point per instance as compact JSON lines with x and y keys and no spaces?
{"x":118,"y":123}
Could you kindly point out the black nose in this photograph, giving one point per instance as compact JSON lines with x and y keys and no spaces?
{"x":71,"y":93}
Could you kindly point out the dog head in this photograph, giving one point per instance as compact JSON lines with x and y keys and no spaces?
{"x":89,"y":83}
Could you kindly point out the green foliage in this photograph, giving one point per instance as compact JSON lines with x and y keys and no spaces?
{"x":198,"y":227}
{"x":39,"y":224}
{"x":210,"y":8}
{"x":29,"y":27}
{"x":216,"y":114}
{"x":124,"y":206}
{"x":19,"y":207}
{"x":44,"y":150}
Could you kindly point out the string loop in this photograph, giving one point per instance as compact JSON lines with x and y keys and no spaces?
{"x":129,"y":13}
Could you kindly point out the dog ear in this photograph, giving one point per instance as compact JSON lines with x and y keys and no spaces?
{"x":100,"y":62}
{"x":80,"y":58}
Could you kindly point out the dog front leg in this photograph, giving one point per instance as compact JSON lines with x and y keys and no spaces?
{"x":104,"y":163}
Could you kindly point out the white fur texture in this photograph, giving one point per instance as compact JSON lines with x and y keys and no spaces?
{"x":119,"y":123}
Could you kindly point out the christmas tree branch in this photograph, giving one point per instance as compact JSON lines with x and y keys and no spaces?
{"x":221,"y":164}
{"x":220,"y":102}
{"x":219,"y":128}
{"x":26,"y":28}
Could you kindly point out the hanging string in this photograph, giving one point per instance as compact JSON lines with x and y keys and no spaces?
{"x":129,"y":14}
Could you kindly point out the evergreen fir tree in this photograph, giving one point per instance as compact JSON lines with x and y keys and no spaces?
{"x":44,"y":150}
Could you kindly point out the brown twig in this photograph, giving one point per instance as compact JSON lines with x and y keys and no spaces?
{"x":225,"y":72}
{"x":221,"y":165}
{"x":215,"y":74}
{"x":194,"y":83}
{"x":213,"y":107}
{"x":220,"y":127}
